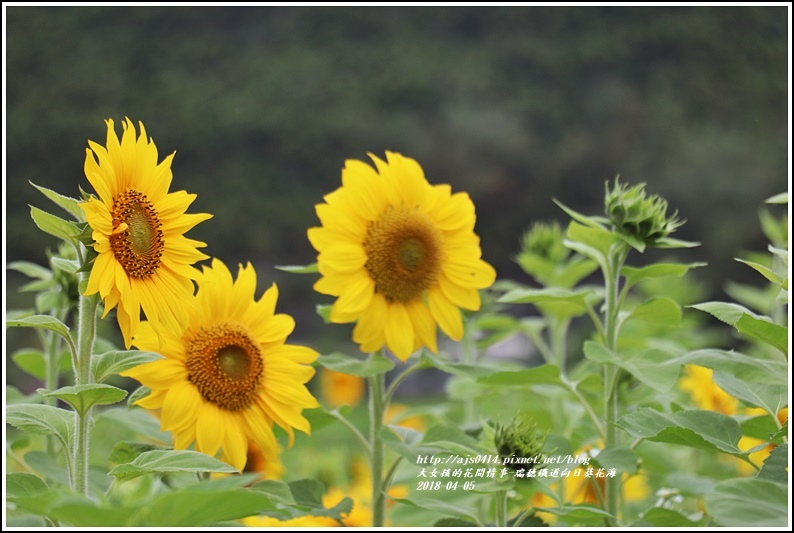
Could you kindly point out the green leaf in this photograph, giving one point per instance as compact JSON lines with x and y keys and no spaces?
{"x":781,"y":198}
{"x":139,"y":421}
{"x":32,"y":362}
{"x":749,"y":502}
{"x":325,"y":313}
{"x":634,"y":275}
{"x":765,"y":331}
{"x":67,"y":265}
{"x":160,"y":461}
{"x":401,"y":442}
{"x":193,"y":507}
{"x":647,"y":366}
{"x":558,"y":302}
{"x":458,"y":369}
{"x":299,"y":269}
{"x":765,"y":271}
{"x":138,"y":394}
{"x":662,"y":310}
{"x":126,"y":452}
{"x":277,"y":491}
{"x":661,"y":517}
{"x":705,"y":430}
{"x":593,"y":242}
{"x":543,"y":374}
{"x":593,"y":222}
{"x":375,"y":364}
{"x":111,"y":363}
{"x":455,"y":523}
{"x":43,"y":420}
{"x":669,"y":242}
{"x":31,"y":270}
{"x":776,"y":465}
{"x":53,"y":225}
{"x":454,"y":510}
{"x":43,"y":322}
{"x":771,"y":398}
{"x":79,"y":512}
{"x":84,"y":397}
{"x":729,"y":313}
{"x":753,"y":369}
{"x":70,"y":205}
{"x":308,"y":494}
{"x":577,"y":513}
{"x":21,"y":485}
{"x":621,"y":459}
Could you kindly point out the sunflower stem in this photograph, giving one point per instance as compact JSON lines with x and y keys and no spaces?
{"x":86,"y":334}
{"x":610,"y":373}
{"x":469,"y":357}
{"x":376,"y":409}
{"x":500,"y":501}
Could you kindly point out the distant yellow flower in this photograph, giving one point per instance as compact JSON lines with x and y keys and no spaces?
{"x":706,"y":394}
{"x":138,"y":228}
{"x":256,"y":461}
{"x":395,"y":415}
{"x":228,"y":376}
{"x":301,"y":521}
{"x":341,"y":389}
{"x":399,"y":254}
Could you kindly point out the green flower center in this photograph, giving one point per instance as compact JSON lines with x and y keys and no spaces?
{"x":139,"y":246}
{"x":225,"y":364}
{"x":404,"y":253}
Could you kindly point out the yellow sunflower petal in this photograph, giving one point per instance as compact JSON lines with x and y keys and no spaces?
{"x":446,"y":314}
{"x":399,"y":331}
{"x":210,"y":429}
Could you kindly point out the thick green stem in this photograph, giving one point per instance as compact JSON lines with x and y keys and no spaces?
{"x":611,"y":326}
{"x":86,"y":334}
{"x":469,"y":357}
{"x":376,"y":409}
{"x":559,"y":333}
{"x":500,"y":500}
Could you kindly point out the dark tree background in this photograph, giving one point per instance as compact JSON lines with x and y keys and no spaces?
{"x":516,"y":105}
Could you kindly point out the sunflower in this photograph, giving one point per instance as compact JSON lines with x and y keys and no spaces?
{"x":143,"y":259}
{"x":399,"y":254}
{"x":228,"y":376}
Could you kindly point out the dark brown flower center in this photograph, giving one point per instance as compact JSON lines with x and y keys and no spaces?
{"x":140,"y":245}
{"x":404,"y":253}
{"x":226,"y":366}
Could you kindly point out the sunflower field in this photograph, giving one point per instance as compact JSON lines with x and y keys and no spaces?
{"x":598,"y":387}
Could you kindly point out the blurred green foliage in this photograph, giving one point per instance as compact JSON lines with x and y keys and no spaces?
{"x":515,"y":105}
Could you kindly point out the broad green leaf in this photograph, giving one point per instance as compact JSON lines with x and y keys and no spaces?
{"x":308,"y":493}
{"x":160,"y":461}
{"x":759,"y":427}
{"x":126,"y":452}
{"x":22,"y":485}
{"x":70,"y":205}
{"x":621,"y":459}
{"x":44,"y":322}
{"x":781,"y":198}
{"x":85,"y":513}
{"x":84,"y":397}
{"x":595,"y":238}
{"x":771,"y":398}
{"x":299,"y":269}
{"x":455,"y":523}
{"x":690,"y":484}
{"x":577,"y":513}
{"x":277,"y":491}
{"x":558,"y":302}
{"x":453,"y":440}
{"x":749,"y":502}
{"x":53,"y":225}
{"x":765,"y":271}
{"x":139,"y":421}
{"x":543,"y":374}
{"x":25,"y":522}
{"x":753,"y":369}
{"x":392,"y":439}
{"x":111,"y":363}
{"x":647,"y":366}
{"x":373,"y":365}
{"x":321,"y":417}
{"x":776,"y":465}
{"x":32,"y":270}
{"x":729,"y":313}
{"x":32,"y":362}
{"x":67,"y":265}
{"x":191,"y":507}
{"x":661,"y":310}
{"x":454,"y":510}
{"x":599,"y":353}
{"x":576,"y":269}
{"x":634,"y":275}
{"x":138,"y":394}
{"x":705,"y":430}
{"x":458,"y":369}
{"x":43,"y":420}
{"x":764,"y":331}
{"x":661,"y":517}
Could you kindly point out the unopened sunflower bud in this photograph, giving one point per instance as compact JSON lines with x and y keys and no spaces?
{"x":545,"y":241}
{"x":637,"y":215}
{"x":520,"y":443}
